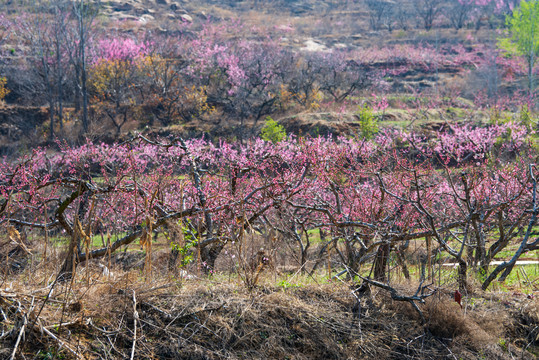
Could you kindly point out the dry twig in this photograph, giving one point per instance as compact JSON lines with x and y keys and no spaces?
{"x":135,"y":318}
{"x":23,"y":328}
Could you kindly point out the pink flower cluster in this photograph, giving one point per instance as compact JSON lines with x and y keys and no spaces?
{"x":119,"y":49}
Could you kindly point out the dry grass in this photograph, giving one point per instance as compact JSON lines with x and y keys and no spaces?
{"x":219,"y":317}
{"x":210,"y":319}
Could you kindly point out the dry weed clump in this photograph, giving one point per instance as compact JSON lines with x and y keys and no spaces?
{"x":525,"y":323}
{"x":483,"y":328}
{"x":445,"y":319}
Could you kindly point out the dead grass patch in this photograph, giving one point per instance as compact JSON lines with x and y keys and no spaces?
{"x":219,"y":318}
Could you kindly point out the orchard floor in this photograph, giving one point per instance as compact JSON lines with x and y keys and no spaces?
{"x":121,"y":316}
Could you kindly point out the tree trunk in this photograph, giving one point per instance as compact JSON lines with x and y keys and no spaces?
{"x":51,"y":118}
{"x":380,"y":263}
{"x":530,"y":76}
{"x":209,"y":254}
{"x":402,"y":260}
{"x":70,"y":262}
{"x":463,"y":285}
{"x":82,"y":66}
{"x":59,"y":75}
{"x":173,"y":261}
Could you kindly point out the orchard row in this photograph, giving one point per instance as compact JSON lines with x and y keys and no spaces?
{"x":469,"y":192}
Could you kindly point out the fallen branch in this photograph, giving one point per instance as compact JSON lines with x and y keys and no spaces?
{"x":56,"y":326}
{"x":135,"y":318}
{"x":62,"y":343}
{"x":23,"y":328}
{"x":418,"y":296}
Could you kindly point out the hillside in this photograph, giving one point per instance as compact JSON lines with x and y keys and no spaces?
{"x":413,"y":70}
{"x":278,"y":179}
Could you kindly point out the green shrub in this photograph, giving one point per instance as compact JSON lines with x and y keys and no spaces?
{"x":272,"y":131}
{"x":368,"y":122}
{"x":526,"y":117}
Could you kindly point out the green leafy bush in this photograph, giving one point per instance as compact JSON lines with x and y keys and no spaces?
{"x":368,"y":121}
{"x":526,"y":117}
{"x":272,"y":131}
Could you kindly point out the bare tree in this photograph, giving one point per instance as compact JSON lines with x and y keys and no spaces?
{"x":79,"y":11}
{"x":59,"y":39}
{"x":6,"y":29}
{"x":44,"y":33}
{"x":379,"y":12}
{"x":428,"y":11}
{"x":459,"y":12}
{"x":388,"y":19}
{"x":489,"y":72}
{"x":402,"y":14}
{"x":77,"y":38}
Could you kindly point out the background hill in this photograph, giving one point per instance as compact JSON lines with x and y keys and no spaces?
{"x":203,"y":59}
